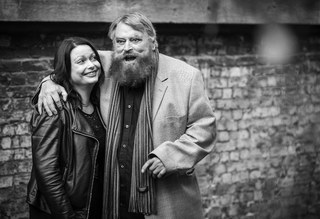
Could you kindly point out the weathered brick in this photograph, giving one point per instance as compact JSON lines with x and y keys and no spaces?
{"x":236,"y":167}
{"x":219,"y":83}
{"x":255,"y":174}
{"x":237,"y":114}
{"x":225,"y":200}
{"x":6,"y":104}
{"x":224,"y":157}
{"x":226,"y":93}
{"x":19,"y":154}
{"x":244,"y":154}
{"x":22,"y":129}
{"x":21,"y":103}
{"x":36,"y":65}
{"x":223,"y":136}
{"x":10,"y":66}
{"x":21,"y":179}
{"x":215,"y":93}
{"x":272,"y":81}
{"x":237,"y":93}
{"x":6,"y":143}
{"x":18,"y":79}
{"x":225,"y":73}
{"x":6,"y":181}
{"x":234,"y":155}
{"x":220,"y":169}
{"x":20,"y":91}
{"x":5,"y":155}
{"x":25,"y":141}
{"x":235,"y":72}
{"x":226,"y":178}
{"x":236,"y":82}
{"x":244,"y":134}
{"x":8,"y":130}
{"x":5,"y":78}
{"x":16,"y":142}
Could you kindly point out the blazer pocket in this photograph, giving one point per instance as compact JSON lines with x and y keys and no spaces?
{"x":186,"y":173}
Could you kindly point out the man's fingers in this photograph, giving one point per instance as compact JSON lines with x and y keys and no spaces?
{"x":56,"y":98}
{"x":40,"y":105}
{"x":45,"y":105}
{"x":146,"y":166}
{"x":159,"y":172}
{"x":64,"y":94}
{"x":50,"y":105}
{"x":162,"y":173}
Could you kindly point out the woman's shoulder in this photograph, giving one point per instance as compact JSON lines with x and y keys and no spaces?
{"x":44,"y":118}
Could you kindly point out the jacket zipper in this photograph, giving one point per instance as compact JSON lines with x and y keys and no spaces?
{"x":96,"y":148}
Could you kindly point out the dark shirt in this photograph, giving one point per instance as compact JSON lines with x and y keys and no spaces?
{"x":100,"y":133}
{"x":130,"y":105}
{"x":97,"y":190}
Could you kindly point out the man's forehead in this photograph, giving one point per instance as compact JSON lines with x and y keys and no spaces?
{"x":125,"y":29}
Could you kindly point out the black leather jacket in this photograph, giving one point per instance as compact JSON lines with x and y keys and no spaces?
{"x":64,"y":153}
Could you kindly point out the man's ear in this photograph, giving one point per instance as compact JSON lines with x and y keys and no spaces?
{"x":154,"y":43}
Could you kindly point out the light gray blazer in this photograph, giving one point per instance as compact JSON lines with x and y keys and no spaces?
{"x":184,"y":132}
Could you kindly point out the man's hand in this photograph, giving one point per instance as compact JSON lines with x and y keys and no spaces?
{"x":155,"y":167}
{"x":50,"y":94}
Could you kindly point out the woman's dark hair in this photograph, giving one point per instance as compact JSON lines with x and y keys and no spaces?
{"x":62,"y":70}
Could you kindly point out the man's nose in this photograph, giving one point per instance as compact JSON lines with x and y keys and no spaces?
{"x":127,"y":46}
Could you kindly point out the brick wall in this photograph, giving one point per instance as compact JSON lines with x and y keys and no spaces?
{"x":266,"y":162}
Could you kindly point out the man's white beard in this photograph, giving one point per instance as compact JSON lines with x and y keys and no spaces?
{"x":132,"y":74}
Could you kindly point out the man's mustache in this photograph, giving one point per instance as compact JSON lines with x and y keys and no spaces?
{"x":126,"y":55}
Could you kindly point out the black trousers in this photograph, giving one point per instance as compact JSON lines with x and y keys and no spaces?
{"x":36,"y":213}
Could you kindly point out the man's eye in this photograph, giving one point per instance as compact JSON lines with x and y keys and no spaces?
{"x":120,"y":42}
{"x":135,"y":40}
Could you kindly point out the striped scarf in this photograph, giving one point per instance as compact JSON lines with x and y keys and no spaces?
{"x":142,"y":195}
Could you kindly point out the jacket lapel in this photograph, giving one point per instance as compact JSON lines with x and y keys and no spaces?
{"x":160,"y":87}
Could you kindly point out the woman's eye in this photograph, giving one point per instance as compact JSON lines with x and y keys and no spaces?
{"x":80,"y":61}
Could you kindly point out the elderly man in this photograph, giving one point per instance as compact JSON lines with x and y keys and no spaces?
{"x":159,"y":126}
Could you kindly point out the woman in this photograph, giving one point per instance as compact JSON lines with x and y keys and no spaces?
{"x":68,"y":148}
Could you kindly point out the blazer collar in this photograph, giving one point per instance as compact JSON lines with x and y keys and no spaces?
{"x":160,"y":86}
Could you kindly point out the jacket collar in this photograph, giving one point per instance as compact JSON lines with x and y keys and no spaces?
{"x":160,"y":86}
{"x":80,"y":123}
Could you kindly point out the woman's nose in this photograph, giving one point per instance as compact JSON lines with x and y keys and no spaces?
{"x":91,"y":65}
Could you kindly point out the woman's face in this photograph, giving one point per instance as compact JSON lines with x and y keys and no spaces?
{"x":85,"y":68}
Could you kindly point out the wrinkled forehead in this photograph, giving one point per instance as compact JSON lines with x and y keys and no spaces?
{"x":125,"y":30}
{"x":137,"y":26}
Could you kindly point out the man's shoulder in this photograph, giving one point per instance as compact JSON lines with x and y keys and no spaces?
{"x":175,"y":67}
{"x":105,"y":57}
{"x":171,"y":61}
{"x":105,"y":52}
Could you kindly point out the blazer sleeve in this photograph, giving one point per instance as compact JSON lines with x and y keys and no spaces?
{"x":200,"y":132}
{"x":46,"y":134}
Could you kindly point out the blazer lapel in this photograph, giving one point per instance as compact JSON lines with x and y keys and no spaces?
{"x":160,"y":88}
